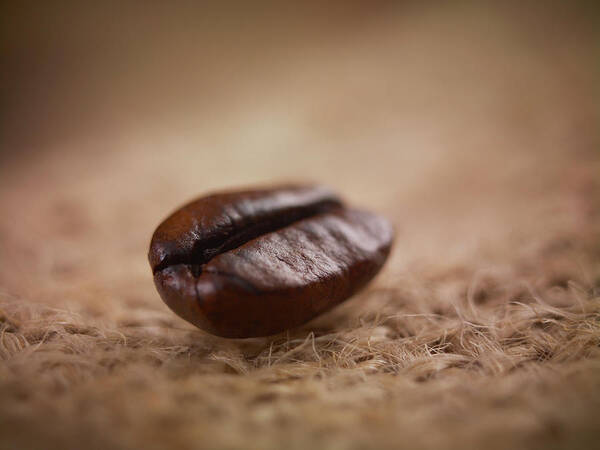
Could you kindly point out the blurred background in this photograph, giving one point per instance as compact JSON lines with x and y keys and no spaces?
{"x":205,"y":73}
{"x":441,"y":116}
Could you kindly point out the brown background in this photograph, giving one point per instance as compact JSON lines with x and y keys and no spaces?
{"x":473,"y":127}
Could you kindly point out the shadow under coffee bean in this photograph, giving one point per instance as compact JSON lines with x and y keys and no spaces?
{"x":257,"y":262}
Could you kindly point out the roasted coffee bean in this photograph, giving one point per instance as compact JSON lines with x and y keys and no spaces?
{"x":257,"y":262}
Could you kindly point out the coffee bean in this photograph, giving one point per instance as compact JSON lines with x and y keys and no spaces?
{"x":257,"y":262}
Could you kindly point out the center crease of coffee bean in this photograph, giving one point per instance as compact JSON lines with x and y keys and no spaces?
{"x":205,"y":250}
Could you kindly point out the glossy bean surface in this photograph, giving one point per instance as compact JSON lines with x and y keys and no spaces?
{"x":257,"y":262}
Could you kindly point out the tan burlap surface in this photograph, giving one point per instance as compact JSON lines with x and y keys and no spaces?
{"x":473,"y":128}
